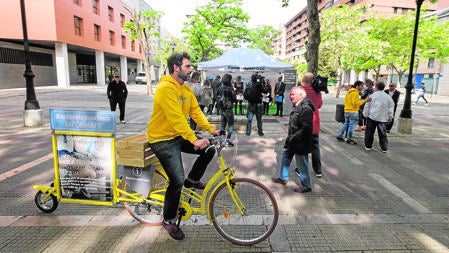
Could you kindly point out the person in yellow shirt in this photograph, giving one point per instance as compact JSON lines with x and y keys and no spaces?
{"x":352,"y":105}
{"x":169,"y":134}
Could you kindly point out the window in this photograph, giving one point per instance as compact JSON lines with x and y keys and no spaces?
{"x":404,"y":11}
{"x":123,"y":42}
{"x":431,"y":63}
{"x":78,"y":23}
{"x":111,"y":38}
{"x":95,"y":7}
{"x":122,"y":20}
{"x":395,"y":10}
{"x":111,"y":13}
{"x":77,"y":2}
{"x":133,"y":45}
{"x":97,"y":32}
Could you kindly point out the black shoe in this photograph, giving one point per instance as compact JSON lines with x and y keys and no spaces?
{"x":261,"y":134}
{"x":174,"y":231}
{"x":199,"y":185}
{"x":247,"y":134}
{"x":340,"y":139}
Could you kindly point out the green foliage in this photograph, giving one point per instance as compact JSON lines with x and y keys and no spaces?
{"x":354,"y":40}
{"x":261,"y":37}
{"x":143,"y":29}
{"x":220,"y":21}
{"x":223,"y":22}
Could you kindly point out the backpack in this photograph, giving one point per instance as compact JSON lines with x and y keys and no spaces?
{"x":251,"y":94}
{"x":223,"y":102}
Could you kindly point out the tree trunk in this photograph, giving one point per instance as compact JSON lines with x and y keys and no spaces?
{"x":314,"y":37}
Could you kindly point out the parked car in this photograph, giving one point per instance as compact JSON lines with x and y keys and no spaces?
{"x":141,"y":77}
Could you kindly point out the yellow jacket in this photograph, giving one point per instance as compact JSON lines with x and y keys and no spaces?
{"x":352,"y":100}
{"x":173,"y":103}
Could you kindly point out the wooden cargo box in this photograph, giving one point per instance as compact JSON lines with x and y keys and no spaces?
{"x":135,"y":151}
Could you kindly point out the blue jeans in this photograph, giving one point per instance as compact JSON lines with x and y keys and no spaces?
{"x":169,"y":155}
{"x":316,"y":154}
{"x":227,"y":117}
{"x":351,"y":120}
{"x":421,"y":96}
{"x":257,"y":109}
{"x":302,"y":163}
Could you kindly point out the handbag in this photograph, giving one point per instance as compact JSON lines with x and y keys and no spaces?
{"x":278,"y":99}
{"x":240,"y":97}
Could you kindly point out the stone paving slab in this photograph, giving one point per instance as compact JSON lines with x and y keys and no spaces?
{"x":365,"y":202}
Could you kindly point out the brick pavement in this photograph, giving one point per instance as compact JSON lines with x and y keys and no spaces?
{"x":365,"y":202}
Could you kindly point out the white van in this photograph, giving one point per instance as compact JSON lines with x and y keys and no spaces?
{"x":141,"y":77}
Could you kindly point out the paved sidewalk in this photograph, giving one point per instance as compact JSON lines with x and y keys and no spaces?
{"x":365,"y":201}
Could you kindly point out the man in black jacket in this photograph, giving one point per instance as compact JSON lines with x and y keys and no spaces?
{"x":299,"y":140}
{"x":117,"y":94}
{"x":253,"y":93}
{"x":279,"y":89}
{"x":395,"y":96}
{"x":216,"y":83}
{"x":227,"y":96}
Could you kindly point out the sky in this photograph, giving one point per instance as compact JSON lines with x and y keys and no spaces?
{"x":261,"y":12}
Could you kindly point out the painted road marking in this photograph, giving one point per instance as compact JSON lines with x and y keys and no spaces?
{"x":199,"y":220}
{"x":399,"y":193}
{"x":24,"y":167}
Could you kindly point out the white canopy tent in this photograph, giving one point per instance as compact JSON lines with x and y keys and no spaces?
{"x":244,"y":60}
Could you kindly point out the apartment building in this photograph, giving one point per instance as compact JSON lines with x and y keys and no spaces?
{"x":295,"y":31}
{"x":71,"y":41}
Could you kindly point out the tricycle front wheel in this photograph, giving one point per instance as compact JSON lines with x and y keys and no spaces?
{"x":46,"y":202}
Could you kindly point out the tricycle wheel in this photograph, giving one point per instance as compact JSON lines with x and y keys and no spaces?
{"x":46,"y":202}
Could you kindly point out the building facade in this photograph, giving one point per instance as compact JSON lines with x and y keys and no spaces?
{"x":295,"y":32}
{"x":71,"y":41}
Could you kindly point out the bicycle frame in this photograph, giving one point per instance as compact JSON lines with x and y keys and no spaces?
{"x":224,"y":175}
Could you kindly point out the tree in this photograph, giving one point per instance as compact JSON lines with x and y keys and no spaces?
{"x":143,"y":28}
{"x":340,"y":29}
{"x":220,"y":21}
{"x":261,"y":37}
{"x":314,"y":37}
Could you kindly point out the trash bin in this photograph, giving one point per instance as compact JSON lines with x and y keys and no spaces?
{"x":340,"y":113}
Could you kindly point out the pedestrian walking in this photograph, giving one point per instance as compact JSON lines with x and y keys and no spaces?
{"x":117,"y":94}
{"x":299,"y":140}
{"x":421,"y":94}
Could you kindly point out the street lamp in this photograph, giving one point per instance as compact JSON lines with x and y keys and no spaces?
{"x":172,"y":45}
{"x":405,"y":118}
{"x":33,"y":113}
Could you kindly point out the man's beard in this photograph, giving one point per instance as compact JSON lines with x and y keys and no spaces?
{"x":183,"y":76}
